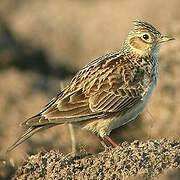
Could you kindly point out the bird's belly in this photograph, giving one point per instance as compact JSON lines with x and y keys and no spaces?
{"x":133,"y":113}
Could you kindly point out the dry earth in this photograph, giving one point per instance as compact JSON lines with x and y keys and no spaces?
{"x":43,"y":44}
{"x":137,"y":160}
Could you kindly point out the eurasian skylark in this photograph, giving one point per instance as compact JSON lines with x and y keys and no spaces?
{"x":110,"y":91}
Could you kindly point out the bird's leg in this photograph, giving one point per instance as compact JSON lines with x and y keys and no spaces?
{"x":110,"y":141}
{"x":107,"y":141}
{"x":103,"y":143}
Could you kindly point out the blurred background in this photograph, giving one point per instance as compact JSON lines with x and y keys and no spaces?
{"x":44,"y":43}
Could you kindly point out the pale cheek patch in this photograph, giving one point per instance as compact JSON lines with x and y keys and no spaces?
{"x":138,"y":43}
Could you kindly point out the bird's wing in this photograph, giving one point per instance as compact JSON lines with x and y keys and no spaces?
{"x":106,"y":85}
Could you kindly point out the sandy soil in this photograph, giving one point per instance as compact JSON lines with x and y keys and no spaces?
{"x":43,"y":44}
{"x":137,"y":160}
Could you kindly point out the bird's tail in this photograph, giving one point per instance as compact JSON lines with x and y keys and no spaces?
{"x":32,"y":130}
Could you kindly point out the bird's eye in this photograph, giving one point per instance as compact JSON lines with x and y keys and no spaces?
{"x":145,"y":36}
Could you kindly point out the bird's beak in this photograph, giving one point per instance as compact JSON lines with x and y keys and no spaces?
{"x":165,"y":39}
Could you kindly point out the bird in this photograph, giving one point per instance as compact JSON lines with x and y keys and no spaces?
{"x":109,"y":92}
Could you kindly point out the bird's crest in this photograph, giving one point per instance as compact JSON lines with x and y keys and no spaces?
{"x":140,"y":25}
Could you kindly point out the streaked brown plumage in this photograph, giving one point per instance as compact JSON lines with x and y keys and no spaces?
{"x":110,"y":91}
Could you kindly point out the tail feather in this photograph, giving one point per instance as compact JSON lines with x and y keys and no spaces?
{"x":32,"y":130}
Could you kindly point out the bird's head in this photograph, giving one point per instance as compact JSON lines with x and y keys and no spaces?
{"x":144,"y":39}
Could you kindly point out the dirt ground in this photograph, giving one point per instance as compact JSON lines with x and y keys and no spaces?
{"x":44,"y":43}
{"x":137,"y":160}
